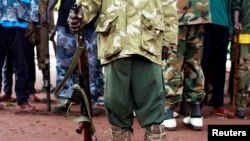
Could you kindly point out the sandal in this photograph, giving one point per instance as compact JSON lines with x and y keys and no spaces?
{"x":223,"y":112}
{"x":26,"y":108}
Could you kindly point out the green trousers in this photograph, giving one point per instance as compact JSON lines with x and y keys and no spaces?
{"x":134,"y":84}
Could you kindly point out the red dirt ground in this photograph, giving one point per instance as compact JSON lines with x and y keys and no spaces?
{"x":47,"y":126}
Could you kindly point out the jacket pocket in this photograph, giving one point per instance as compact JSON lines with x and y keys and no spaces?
{"x":109,"y":43}
{"x":152,"y":34}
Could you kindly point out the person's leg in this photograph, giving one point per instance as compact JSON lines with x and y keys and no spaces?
{"x":30,"y":56}
{"x":8,"y":71}
{"x":118,"y":100}
{"x":173,"y":80}
{"x":148,"y":96}
{"x":243,"y":74}
{"x":66,"y":47}
{"x":148,"y":93}
{"x":18,"y":44}
{"x":218,"y":68}
{"x":206,"y":61}
{"x":193,"y":76}
{"x":3,"y":52}
{"x":96,"y":77}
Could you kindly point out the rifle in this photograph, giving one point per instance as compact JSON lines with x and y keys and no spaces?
{"x":235,"y":62}
{"x":81,"y":92}
{"x":47,"y":81}
{"x":83,"y":71}
{"x":47,"y":67}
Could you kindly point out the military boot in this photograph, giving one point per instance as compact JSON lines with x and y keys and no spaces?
{"x":119,"y":134}
{"x":155,"y":133}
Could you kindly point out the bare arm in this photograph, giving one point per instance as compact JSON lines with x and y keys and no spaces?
{"x":51,"y":5}
{"x":236,"y":16}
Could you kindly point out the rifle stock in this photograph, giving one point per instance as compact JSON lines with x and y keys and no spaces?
{"x":235,"y":62}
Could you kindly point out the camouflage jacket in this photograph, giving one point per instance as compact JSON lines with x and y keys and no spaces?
{"x":128,"y":27}
{"x":193,"y":12}
{"x":18,"y":11}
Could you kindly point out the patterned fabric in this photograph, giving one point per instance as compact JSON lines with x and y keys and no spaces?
{"x":19,"y":10}
{"x":96,"y":77}
{"x":182,"y":71}
{"x":193,"y":12}
{"x":243,"y":75}
{"x":66,"y":47}
{"x":243,"y":78}
{"x":128,"y":27}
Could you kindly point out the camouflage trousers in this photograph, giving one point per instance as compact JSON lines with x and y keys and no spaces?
{"x":96,"y":77}
{"x":243,"y":78}
{"x":66,"y":47}
{"x":182,"y":70}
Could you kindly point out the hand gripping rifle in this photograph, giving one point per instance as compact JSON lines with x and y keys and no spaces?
{"x":81,"y":91}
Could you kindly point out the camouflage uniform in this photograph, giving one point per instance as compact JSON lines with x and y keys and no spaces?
{"x":66,"y":47}
{"x":182,"y":71}
{"x":243,"y":75}
{"x":131,"y":34}
{"x":96,"y":77}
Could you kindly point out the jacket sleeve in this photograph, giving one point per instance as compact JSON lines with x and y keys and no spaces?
{"x":171,"y":23}
{"x":90,"y":9}
{"x":236,"y":4}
